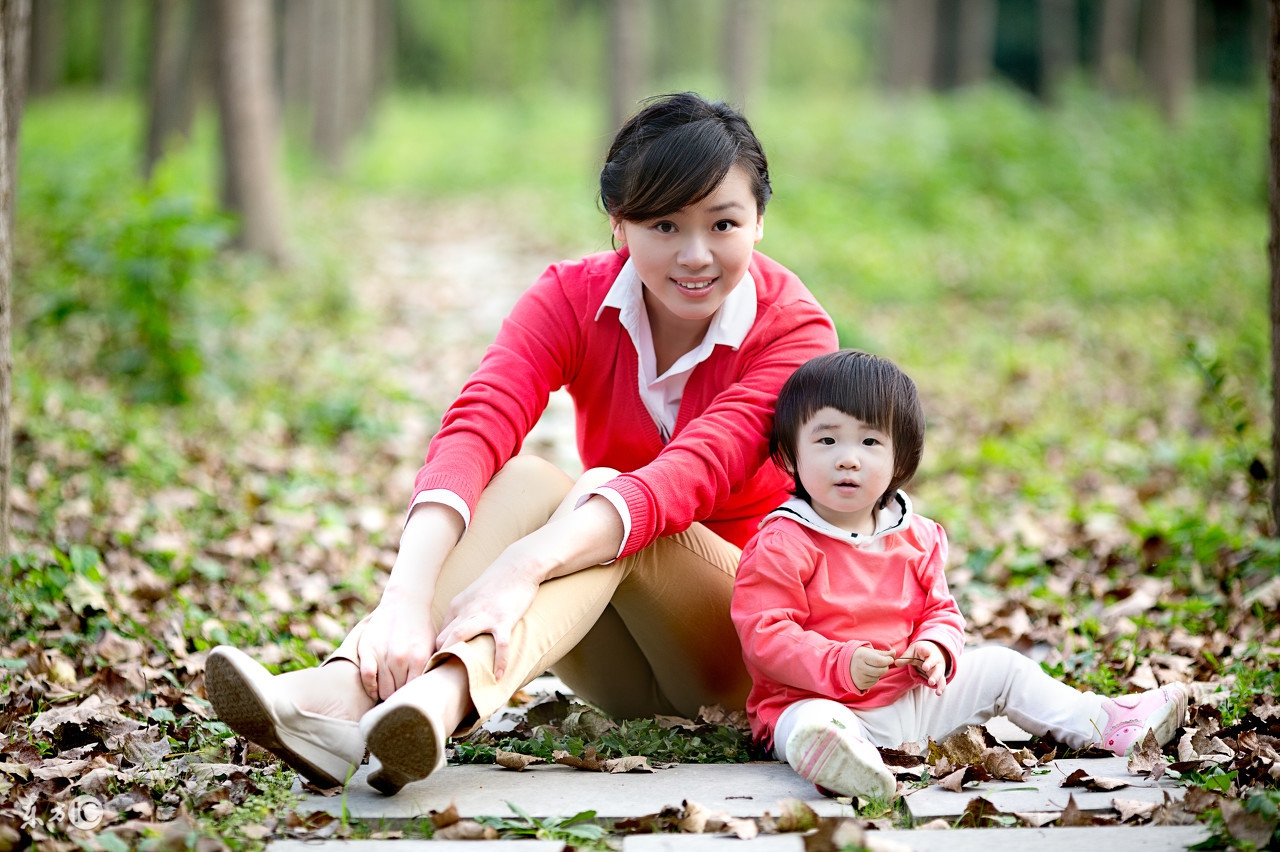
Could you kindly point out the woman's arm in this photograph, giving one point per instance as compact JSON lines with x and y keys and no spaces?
{"x":398,"y":638}
{"x":589,"y":535}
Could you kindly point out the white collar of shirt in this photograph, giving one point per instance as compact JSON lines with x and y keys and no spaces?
{"x":891,"y":519}
{"x":662,"y":394}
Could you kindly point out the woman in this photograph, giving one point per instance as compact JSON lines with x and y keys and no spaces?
{"x":673,"y":347}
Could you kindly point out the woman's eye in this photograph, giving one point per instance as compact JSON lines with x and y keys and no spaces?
{"x":665,"y":228}
{"x":724,"y":225}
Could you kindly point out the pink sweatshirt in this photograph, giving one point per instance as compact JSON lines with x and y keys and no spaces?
{"x":807,"y":594}
{"x":714,"y":469}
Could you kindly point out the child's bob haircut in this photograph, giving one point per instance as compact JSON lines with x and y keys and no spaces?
{"x":861,"y":385}
{"x":675,"y":152}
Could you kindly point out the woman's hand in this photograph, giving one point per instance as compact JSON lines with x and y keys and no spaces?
{"x":397,"y":641}
{"x":868,"y":666}
{"x":929,"y":660}
{"x":493,"y":604}
{"x":398,"y":638}
{"x":498,"y":598}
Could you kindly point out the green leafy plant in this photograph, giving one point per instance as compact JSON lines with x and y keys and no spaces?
{"x":577,"y":831}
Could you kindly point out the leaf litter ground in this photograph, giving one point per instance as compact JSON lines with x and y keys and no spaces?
{"x":145,"y":540}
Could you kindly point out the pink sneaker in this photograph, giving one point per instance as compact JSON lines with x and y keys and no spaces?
{"x":1129,"y":717}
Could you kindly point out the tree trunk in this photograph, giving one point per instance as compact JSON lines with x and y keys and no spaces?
{"x":295,"y":66}
{"x":744,"y":52}
{"x":329,"y":60}
{"x":179,"y":49}
{"x":46,"y":53}
{"x":1273,"y":250}
{"x":1169,"y":54}
{"x":111,"y":49}
{"x":975,"y":41}
{"x":164,"y":114}
{"x":627,"y":45}
{"x":1118,"y":45}
{"x":1059,"y":45}
{"x":15,"y":21}
{"x":246,"y":95}
{"x":912,"y":45}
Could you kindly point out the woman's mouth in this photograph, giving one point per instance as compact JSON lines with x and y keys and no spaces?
{"x":693,"y":285}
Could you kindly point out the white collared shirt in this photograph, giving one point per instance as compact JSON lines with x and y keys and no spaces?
{"x":661,"y":395}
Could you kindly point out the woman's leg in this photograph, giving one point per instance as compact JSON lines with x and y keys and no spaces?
{"x":665,"y":643}
{"x":520,"y":499}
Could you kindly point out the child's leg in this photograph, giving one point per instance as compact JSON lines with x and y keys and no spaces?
{"x":994,"y":681}
{"x":826,"y":744}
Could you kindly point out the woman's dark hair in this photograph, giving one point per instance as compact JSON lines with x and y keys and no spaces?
{"x":861,"y":385}
{"x":675,"y":152}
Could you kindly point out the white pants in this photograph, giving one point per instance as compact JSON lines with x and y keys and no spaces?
{"x":990,"y":681}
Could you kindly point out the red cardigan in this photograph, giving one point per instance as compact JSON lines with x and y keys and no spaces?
{"x":715,"y":468}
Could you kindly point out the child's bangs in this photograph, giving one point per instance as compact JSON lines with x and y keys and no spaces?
{"x":871,"y":399}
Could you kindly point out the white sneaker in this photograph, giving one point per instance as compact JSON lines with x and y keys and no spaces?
{"x":833,"y":758}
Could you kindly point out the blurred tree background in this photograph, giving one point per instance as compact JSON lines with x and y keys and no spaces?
{"x":258,"y":246}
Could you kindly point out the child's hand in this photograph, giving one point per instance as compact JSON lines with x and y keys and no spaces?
{"x":929,"y":661}
{"x":868,"y":666}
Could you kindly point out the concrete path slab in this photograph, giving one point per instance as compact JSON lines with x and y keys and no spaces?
{"x":1045,"y":792}
{"x":414,"y":846}
{"x":746,"y":789}
{"x":1162,"y":838}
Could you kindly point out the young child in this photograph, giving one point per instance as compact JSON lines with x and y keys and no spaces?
{"x":848,"y":629}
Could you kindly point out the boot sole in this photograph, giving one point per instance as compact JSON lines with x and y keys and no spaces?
{"x":404,"y":741}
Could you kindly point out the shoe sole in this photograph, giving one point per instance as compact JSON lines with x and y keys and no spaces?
{"x":404,"y":741}
{"x":243,"y":710}
{"x":829,"y":762}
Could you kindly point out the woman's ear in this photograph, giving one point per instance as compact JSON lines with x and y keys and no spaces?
{"x":619,"y":227}
{"x":759,"y":228}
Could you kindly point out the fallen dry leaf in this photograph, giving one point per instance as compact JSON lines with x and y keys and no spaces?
{"x":1080,"y":778}
{"x":515,"y":760}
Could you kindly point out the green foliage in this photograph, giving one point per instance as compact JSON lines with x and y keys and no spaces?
{"x":1262,"y":805}
{"x":120,"y":262}
{"x":1254,"y":675}
{"x":631,"y":737}
{"x":577,"y":831}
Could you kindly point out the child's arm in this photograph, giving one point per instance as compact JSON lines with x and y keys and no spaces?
{"x":939,"y":635}
{"x":769,"y":606}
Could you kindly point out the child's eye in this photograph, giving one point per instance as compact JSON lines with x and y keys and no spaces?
{"x":870,"y":442}
{"x":829,"y":441}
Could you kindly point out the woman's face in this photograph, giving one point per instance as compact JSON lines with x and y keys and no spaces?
{"x":691,"y":260}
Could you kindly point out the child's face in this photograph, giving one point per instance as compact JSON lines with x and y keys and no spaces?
{"x":846,"y":466}
{"x":693,"y":259}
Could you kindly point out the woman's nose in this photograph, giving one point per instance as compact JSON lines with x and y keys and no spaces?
{"x":694,"y":253}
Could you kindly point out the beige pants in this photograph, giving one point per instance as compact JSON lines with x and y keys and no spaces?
{"x":646,"y":634}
